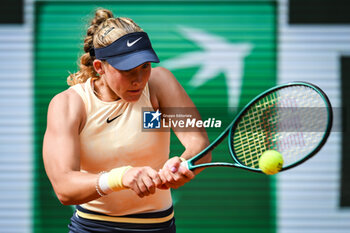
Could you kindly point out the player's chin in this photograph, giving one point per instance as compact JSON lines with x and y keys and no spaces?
{"x":132,"y":96}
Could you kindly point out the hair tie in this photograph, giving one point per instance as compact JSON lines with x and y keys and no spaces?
{"x":92,"y":51}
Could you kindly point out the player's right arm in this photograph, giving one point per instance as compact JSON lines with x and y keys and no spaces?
{"x":61,"y":154}
{"x":61,"y":150}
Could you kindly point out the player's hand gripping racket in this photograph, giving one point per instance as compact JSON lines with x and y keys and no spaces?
{"x":294,"y":119}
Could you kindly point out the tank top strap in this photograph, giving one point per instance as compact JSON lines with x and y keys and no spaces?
{"x":81,"y":90}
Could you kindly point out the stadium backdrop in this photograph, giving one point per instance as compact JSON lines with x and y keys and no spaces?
{"x":221,"y":200}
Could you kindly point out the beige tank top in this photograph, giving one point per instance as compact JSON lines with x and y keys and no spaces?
{"x":121,"y":142}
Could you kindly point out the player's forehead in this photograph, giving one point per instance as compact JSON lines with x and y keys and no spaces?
{"x":130,"y":70}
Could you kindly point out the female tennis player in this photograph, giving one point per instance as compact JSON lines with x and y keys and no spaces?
{"x":95,"y":153}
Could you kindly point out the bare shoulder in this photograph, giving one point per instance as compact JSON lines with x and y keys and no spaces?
{"x":161,"y":76}
{"x":167,"y":90}
{"x":161,"y":83}
{"x":160,"y":70}
{"x":67,"y":108}
{"x":67,"y":99}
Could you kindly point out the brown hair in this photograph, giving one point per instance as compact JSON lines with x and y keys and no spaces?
{"x":104,"y":29}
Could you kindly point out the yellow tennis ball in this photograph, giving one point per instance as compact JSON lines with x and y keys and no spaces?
{"x":271,"y":162}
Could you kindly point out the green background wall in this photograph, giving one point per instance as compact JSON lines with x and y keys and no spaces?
{"x":219,"y":199}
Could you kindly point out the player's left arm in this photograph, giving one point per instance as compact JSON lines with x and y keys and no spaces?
{"x":168,"y":95}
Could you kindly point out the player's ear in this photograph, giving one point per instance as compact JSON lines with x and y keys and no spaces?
{"x":99,"y":66}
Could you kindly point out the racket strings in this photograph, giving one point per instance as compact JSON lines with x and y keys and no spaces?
{"x":291,"y":120}
{"x":253,"y":130}
{"x":302,"y":123}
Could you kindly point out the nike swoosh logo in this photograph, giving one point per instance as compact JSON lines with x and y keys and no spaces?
{"x":129,"y":44}
{"x":110,"y":120}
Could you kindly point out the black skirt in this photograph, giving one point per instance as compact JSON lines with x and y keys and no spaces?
{"x":86,"y":221}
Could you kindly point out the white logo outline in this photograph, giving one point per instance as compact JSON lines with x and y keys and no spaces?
{"x":218,"y":55}
{"x":132,"y":43}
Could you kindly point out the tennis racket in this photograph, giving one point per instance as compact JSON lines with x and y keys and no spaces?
{"x":294,"y":119}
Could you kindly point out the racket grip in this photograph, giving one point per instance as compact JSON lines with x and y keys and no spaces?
{"x":184,"y":164}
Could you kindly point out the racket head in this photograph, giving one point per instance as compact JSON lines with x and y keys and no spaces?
{"x":294,"y":119}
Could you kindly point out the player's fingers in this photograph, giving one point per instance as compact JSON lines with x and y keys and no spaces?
{"x":163,"y":178}
{"x":174,"y":181}
{"x":163,"y":186}
{"x":149,"y":184}
{"x":167,"y":179}
{"x":177,"y":177}
{"x":186,"y":172}
{"x":174,"y":164}
{"x":137,"y":190}
{"x":169,"y":176}
{"x":143,"y":189}
{"x":155,"y":177}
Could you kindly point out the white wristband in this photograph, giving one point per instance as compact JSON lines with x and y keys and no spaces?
{"x":103,"y":183}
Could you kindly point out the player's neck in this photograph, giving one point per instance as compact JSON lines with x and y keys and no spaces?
{"x":103,"y":91}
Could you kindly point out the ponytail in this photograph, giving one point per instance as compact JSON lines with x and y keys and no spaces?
{"x":86,"y":60}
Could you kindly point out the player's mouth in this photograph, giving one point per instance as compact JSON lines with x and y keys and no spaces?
{"x":135,"y":92}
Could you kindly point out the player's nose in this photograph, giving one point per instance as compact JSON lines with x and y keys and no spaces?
{"x":137,"y":79}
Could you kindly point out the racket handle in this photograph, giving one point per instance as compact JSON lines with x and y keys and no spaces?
{"x":184,"y":164}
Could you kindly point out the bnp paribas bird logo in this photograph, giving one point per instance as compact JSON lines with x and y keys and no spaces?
{"x":218,"y":55}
